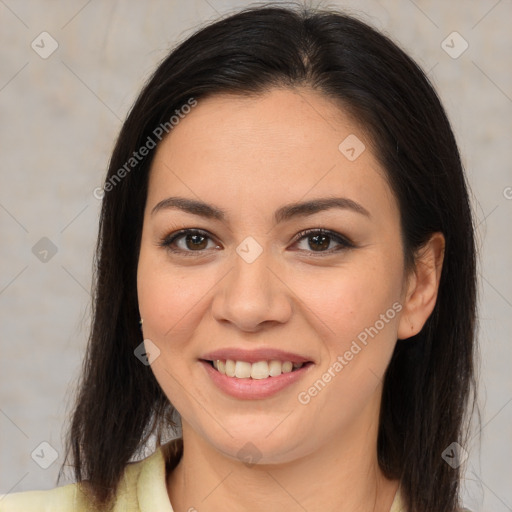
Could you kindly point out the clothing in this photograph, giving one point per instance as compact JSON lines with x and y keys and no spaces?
{"x":142,"y":489}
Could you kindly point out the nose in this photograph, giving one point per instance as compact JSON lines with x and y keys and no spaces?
{"x":253,"y":295}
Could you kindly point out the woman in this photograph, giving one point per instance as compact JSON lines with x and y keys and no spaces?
{"x":286,"y":259}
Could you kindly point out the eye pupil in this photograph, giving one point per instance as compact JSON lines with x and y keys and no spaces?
{"x":323,"y":244}
{"x":195,"y":238}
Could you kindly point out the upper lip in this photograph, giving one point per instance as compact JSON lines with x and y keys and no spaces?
{"x":254,"y":355}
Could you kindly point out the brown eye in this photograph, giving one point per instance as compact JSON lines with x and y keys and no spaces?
{"x":319,"y":240}
{"x":192,"y":241}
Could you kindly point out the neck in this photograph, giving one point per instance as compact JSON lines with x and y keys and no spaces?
{"x":342,"y":476}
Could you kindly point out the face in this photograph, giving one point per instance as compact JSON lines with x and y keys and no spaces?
{"x":231,"y":282}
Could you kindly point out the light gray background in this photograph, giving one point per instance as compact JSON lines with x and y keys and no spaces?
{"x":58,"y":121}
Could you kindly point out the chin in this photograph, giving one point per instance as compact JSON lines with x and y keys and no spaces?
{"x":254,"y":445}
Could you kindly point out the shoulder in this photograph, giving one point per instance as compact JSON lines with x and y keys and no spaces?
{"x":59,"y":499}
{"x":71,"y":498}
{"x":142,"y":486}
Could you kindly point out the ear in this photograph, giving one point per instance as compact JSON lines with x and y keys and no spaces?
{"x":422,"y":287}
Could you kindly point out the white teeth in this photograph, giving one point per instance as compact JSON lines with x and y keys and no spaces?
{"x":274,"y":368}
{"x":287,"y":367}
{"x":230,"y":368}
{"x":258,"y":370}
{"x":242,"y":370}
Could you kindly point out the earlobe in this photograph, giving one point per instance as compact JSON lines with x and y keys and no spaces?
{"x":423,"y":287}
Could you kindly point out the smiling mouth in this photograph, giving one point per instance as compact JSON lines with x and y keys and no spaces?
{"x":258,"y":370}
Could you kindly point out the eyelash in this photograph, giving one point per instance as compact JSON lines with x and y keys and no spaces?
{"x":344,"y":242}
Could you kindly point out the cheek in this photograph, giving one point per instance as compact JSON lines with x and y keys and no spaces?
{"x":171,"y":302}
{"x":170,"y":299}
{"x":359,"y":307}
{"x":349,"y":300}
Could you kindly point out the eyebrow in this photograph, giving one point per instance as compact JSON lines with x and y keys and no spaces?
{"x":285,"y":213}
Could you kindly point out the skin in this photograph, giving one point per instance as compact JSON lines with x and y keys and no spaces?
{"x":250,"y":156}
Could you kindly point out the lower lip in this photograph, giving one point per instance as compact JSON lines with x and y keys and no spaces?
{"x":253,"y":389}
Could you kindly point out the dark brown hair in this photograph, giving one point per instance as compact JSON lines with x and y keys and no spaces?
{"x":431,"y":377}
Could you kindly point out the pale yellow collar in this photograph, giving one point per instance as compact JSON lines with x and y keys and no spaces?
{"x":152,"y":484}
{"x":398,"y":504}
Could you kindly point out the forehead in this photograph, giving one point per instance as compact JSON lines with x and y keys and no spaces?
{"x":265,"y":150}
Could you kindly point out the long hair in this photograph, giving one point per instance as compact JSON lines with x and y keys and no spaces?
{"x":431,"y":377}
